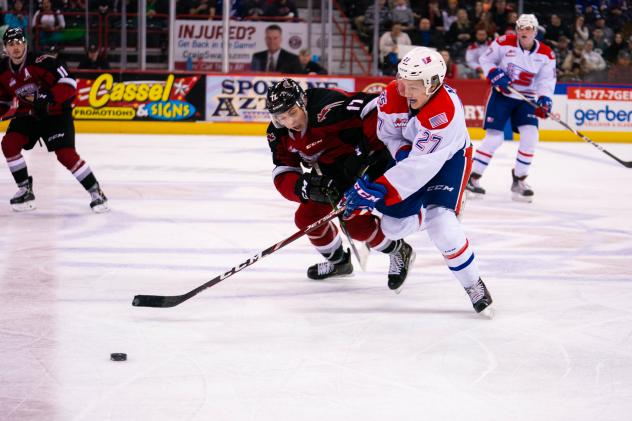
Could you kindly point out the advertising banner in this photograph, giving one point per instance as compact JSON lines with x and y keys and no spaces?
{"x":139,"y":97}
{"x":599,"y":108}
{"x":240,"y":98}
{"x":198,"y":43}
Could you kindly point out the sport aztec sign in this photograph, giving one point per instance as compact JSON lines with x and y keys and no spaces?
{"x":151,"y":97}
{"x":242,"y":98}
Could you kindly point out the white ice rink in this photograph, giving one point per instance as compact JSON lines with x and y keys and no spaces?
{"x":269,"y":344}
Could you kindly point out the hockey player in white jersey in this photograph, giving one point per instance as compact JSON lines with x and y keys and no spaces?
{"x":529,"y":67}
{"x":422,"y":123}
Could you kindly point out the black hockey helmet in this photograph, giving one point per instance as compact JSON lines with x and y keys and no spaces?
{"x":284,"y":95}
{"x":13,"y":33}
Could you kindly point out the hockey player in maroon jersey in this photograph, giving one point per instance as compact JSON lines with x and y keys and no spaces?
{"x":42,"y":91}
{"x":333,"y":133}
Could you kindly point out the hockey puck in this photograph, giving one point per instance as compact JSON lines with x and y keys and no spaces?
{"x":118,"y":356}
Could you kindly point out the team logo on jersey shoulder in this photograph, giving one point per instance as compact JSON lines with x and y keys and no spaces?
{"x":43,"y":57}
{"x":382,"y":100}
{"x":271,"y":137}
{"x":322,"y":115}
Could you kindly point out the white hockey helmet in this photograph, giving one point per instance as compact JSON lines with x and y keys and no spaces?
{"x":424,"y":64}
{"x":527,"y":20}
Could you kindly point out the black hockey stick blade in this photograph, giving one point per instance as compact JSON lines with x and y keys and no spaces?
{"x":162,"y":301}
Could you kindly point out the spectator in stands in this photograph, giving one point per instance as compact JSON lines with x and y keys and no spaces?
{"x":600,"y":43}
{"x":48,"y":24}
{"x":201,"y":8}
{"x":510,"y":26}
{"x":616,"y":19}
{"x":364,"y":23}
{"x":102,"y":6}
{"x":426,"y":35}
{"x":94,"y":59}
{"x":593,"y":62}
{"x":74,"y":13}
{"x":572,"y":68}
{"x":590,"y":16}
{"x":488,"y":23}
{"x":608,"y":33}
{"x":310,"y":67}
{"x":275,"y":59}
{"x":403,"y":15}
{"x":581,"y":31}
{"x":555,"y":30}
{"x":389,"y":47}
{"x":474,"y":52}
{"x":17,"y":17}
{"x":476,"y":11}
{"x":252,"y":8}
{"x":285,"y":9}
{"x":499,"y":14}
{"x":217,"y":9}
{"x":612,"y":52}
{"x":621,"y":72}
{"x":434,"y":16}
{"x":460,"y":34}
{"x":452,"y":71}
{"x":449,"y":14}
{"x":561,"y":50}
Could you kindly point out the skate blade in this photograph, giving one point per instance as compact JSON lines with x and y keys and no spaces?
{"x":519,"y":198}
{"x":101,"y":208}
{"x":23,"y":207}
{"x":474,"y":196}
{"x":410,"y":266}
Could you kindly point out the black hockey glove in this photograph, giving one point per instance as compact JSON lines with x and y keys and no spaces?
{"x":317,"y":188}
{"x":41,"y":101}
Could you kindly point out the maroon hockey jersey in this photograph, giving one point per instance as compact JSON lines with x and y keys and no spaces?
{"x":340,"y":137}
{"x":36,"y":73}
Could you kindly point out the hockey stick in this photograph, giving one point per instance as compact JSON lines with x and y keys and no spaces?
{"x":627,"y":164}
{"x":13,"y":110}
{"x":361,"y":256}
{"x":173,"y":300}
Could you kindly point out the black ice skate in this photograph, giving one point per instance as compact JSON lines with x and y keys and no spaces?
{"x":474,"y":186}
{"x":328,"y":269}
{"x":24,"y":199}
{"x":401,"y":261}
{"x":99,"y":203}
{"x":521,"y":191}
{"x":479,"y":295}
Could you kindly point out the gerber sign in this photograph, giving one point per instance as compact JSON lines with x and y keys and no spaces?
{"x":600,"y":108}
{"x":139,"y":97}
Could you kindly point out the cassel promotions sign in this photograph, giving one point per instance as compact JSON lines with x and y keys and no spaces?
{"x":139,"y":97}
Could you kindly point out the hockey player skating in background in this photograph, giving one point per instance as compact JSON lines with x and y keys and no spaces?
{"x":529,"y":67}
{"x":44,"y":91}
{"x":333,"y":133}
{"x":421,"y":121}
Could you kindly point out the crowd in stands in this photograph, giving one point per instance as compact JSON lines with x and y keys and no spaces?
{"x":592,"y":39}
{"x":596,"y":48}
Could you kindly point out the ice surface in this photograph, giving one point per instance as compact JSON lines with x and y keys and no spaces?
{"x":269,"y":344}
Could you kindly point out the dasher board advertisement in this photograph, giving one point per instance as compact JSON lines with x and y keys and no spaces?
{"x":242,"y":98}
{"x":139,"y":97}
{"x":198,"y":43}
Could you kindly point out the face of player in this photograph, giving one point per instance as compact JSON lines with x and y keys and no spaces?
{"x":526,"y":36}
{"x":414,"y":91}
{"x":16,"y":50}
{"x":293,"y":119}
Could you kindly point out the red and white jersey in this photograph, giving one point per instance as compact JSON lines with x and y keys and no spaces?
{"x":532,"y":72}
{"x":435,"y":133}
